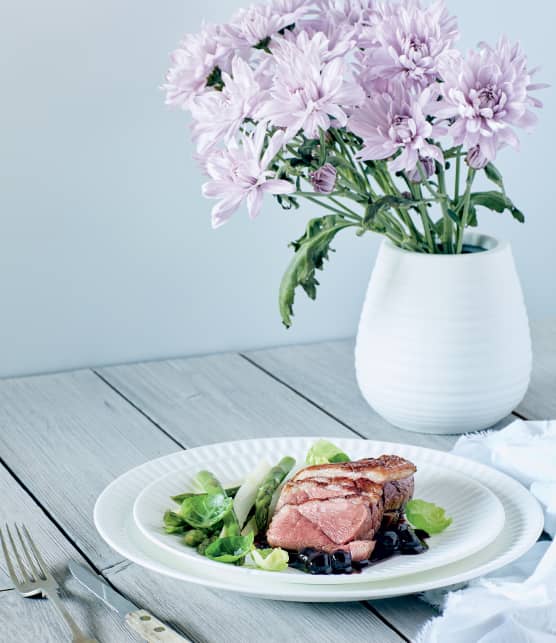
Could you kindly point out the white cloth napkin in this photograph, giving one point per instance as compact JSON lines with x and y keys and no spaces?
{"x":516,"y":604}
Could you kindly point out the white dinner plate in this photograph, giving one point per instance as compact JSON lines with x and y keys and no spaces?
{"x":114,"y":520}
{"x":477,"y":514}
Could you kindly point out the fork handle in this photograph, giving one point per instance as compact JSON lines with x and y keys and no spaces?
{"x":77,"y":634}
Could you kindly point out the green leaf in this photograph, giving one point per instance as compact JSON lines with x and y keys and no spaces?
{"x":230,"y":491}
{"x":453,"y":216}
{"x":494,"y":175}
{"x":311,"y":250}
{"x":498,"y":202}
{"x":427,"y":516}
{"x":231,"y":549}
{"x":323,"y":452}
{"x":272,"y":560}
{"x":174,"y":523}
{"x":384,"y":203}
{"x":492,"y":200}
{"x":206,"y":509}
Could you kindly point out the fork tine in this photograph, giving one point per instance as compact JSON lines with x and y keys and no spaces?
{"x":11,"y":570}
{"x":22,"y":568}
{"x":36,"y":573}
{"x":42,"y":565}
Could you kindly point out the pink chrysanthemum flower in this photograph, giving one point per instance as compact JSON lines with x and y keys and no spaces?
{"x":240,"y":173}
{"x":255,"y":25}
{"x":396,"y":121}
{"x":410,"y":45}
{"x":488,"y":95}
{"x":307,"y":93}
{"x":218,"y":115}
{"x":196,"y":58}
{"x":353,"y":18}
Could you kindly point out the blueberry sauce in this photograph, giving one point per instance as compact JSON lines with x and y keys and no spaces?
{"x":401,"y":540}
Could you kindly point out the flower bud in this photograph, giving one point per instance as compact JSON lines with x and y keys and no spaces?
{"x":427,"y":167}
{"x":324,"y":179}
{"x":476,"y":159}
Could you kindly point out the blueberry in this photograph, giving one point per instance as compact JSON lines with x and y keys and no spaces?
{"x":390,"y":540}
{"x":308,"y":551}
{"x":341,"y":562}
{"x":410,"y":544}
{"x":319,"y":563}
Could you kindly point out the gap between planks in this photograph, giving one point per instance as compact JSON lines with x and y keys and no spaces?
{"x":121,"y":565}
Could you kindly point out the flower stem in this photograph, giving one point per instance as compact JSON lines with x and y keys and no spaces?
{"x":447,"y":240}
{"x":458,"y":174}
{"x":466,"y":204}
{"x":426,"y":222}
{"x":346,"y":212}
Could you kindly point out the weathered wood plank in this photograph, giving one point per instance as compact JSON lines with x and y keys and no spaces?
{"x":409,"y":614}
{"x":540,"y":401}
{"x":225,"y":616}
{"x":324,"y":374}
{"x":216,"y":398}
{"x":67,"y":436}
{"x":23,"y":620}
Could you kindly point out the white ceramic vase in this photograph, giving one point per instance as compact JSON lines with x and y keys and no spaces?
{"x":443,"y":344}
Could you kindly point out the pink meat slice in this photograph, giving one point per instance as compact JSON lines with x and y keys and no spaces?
{"x":341,"y":506}
{"x":291,"y":530}
{"x":340,"y":519}
{"x":298,"y":492}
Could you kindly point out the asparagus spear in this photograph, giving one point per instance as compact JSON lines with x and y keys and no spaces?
{"x":264,"y":496}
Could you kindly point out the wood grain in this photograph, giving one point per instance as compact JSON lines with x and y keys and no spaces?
{"x":66,"y":437}
{"x":25,"y":620}
{"x":325,"y":375}
{"x":202,"y":400}
{"x":216,"y":616}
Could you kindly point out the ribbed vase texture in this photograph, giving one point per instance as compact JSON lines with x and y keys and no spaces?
{"x":443,"y":344}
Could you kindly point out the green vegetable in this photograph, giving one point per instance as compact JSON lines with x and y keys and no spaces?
{"x":247,"y":494}
{"x":201,"y":548}
{"x":230,"y":491}
{"x":208,"y":482}
{"x":267,"y":489}
{"x":427,"y":516}
{"x":194,"y":537}
{"x":174,"y":523}
{"x":323,"y":452}
{"x":206,"y":509}
{"x":273,"y":560}
{"x":231,"y":525}
{"x":231,"y":549}
{"x":250,"y":527}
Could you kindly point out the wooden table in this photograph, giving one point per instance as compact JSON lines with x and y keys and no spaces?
{"x":64,"y":437}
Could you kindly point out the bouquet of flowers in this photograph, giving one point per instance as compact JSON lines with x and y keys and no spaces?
{"x":367,"y":110}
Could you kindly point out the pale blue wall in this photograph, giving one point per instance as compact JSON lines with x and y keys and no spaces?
{"x":106,"y":252}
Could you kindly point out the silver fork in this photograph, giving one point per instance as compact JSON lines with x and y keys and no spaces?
{"x":34,"y":577}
